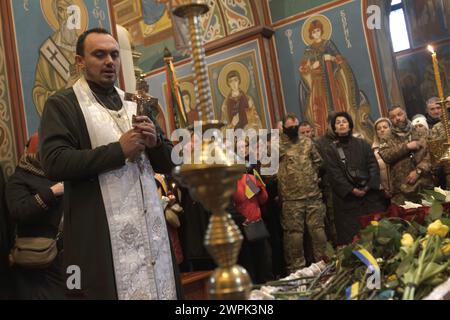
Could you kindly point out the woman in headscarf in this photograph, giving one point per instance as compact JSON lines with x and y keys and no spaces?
{"x":354,"y":177}
{"x":35,"y":205}
{"x":420,"y":123}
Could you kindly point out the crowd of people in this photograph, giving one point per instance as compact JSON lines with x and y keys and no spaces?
{"x":325,"y":184}
{"x":98,"y":223}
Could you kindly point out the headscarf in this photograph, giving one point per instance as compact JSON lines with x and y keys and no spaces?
{"x":376,"y":140}
{"x":420,"y":119}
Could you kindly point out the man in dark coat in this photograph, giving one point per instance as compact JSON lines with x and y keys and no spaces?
{"x":116,"y":244}
{"x":434,"y":112}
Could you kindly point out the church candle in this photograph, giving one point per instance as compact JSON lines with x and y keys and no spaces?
{"x":437,"y":75}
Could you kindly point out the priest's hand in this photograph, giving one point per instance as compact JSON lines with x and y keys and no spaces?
{"x":132,"y":143}
{"x":146,"y":127}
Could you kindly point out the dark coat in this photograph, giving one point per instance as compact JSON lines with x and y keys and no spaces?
{"x":348,"y":207}
{"x":194,"y":223}
{"x":37,"y":213}
{"x":67,"y":155}
{"x":5,"y":242}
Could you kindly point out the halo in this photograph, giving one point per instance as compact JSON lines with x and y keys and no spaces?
{"x":327,"y":28}
{"x":49,"y":15}
{"x":189,"y":87}
{"x":243,"y":72}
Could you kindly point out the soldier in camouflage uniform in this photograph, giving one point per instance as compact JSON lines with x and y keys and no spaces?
{"x":405,"y":150}
{"x":438,"y":133}
{"x":300,"y":195}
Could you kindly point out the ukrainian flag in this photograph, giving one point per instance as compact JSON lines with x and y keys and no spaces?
{"x":258,"y":177}
{"x":352,"y":292}
{"x":366,"y":258}
{"x":250,"y":187}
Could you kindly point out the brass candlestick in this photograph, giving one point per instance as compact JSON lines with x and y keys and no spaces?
{"x":442,"y":151}
{"x":213,"y":184}
{"x":191,"y":10}
{"x":445,"y":158}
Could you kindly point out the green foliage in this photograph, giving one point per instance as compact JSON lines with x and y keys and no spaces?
{"x":436,"y":211}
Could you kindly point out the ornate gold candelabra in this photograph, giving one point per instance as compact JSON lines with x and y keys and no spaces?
{"x":440,"y":149}
{"x":213,"y":184}
{"x":445,"y":158}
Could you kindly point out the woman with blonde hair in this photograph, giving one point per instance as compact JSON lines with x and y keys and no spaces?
{"x":382,"y":131}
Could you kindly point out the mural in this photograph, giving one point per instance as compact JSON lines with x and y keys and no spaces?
{"x":212,"y":23}
{"x":189,"y":97}
{"x":8,"y":153}
{"x":429,"y":20}
{"x":281,"y":9}
{"x":327,"y":82}
{"x":48,"y":31}
{"x":332,"y":67}
{"x":246,"y":62}
{"x":237,"y":83}
{"x":417,"y":77}
{"x":238,"y":15}
{"x":56,"y":68}
{"x":162,"y":29}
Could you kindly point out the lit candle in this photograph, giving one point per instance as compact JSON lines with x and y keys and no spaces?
{"x":437,"y":74}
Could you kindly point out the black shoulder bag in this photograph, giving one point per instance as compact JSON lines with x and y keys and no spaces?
{"x":355,"y":177}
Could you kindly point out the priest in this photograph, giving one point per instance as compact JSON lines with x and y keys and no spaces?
{"x":116,"y":244}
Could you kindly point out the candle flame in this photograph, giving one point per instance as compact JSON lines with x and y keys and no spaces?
{"x":173,"y":185}
{"x":431,"y":49}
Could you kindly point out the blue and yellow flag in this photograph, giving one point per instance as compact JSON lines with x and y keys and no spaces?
{"x":258,"y":177}
{"x":250,"y":187}
{"x":352,"y":292}
{"x":367,"y":258}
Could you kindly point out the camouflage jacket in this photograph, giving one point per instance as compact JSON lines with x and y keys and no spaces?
{"x":298,"y":174}
{"x":394,"y":151}
{"x":438,"y":132}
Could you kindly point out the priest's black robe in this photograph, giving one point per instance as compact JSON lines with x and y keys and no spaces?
{"x":67,"y":155}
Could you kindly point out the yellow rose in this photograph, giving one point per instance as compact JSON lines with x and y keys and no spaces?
{"x":446,"y":248}
{"x":423,"y":242}
{"x":437,"y":228}
{"x":374,"y":223}
{"x":407,"y":240}
{"x":392,"y":277}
